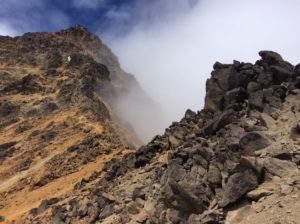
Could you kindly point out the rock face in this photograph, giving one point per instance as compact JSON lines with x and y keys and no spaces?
{"x":207,"y":164}
{"x":241,"y":151}
{"x":58,"y":119}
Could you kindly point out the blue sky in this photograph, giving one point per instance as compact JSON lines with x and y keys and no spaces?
{"x":50,"y":15}
{"x":111,"y":17}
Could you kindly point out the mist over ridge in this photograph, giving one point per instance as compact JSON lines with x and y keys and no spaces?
{"x":172,"y":52}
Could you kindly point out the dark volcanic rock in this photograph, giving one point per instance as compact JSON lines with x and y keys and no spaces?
{"x":221,"y":121}
{"x":280,"y":167}
{"x":237,"y":95}
{"x":186,"y":200}
{"x":270,"y":57}
{"x":238,"y":184}
{"x":280,"y":74}
{"x":138,"y":193}
{"x":193,"y":173}
{"x":226,"y":78}
{"x":214,"y":98}
{"x":253,"y":141}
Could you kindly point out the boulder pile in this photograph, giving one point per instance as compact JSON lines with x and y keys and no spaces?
{"x":210,"y":161}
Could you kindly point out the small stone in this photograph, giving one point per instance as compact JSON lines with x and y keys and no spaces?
{"x":138,"y":193}
{"x":283,"y":142}
{"x":276,"y":178}
{"x":259,"y":193}
{"x":107,"y":211}
{"x":132,"y":209}
{"x":294,"y":196}
{"x":68,"y":207}
{"x":286,"y":189}
{"x":174,"y":141}
{"x":109,"y":196}
{"x":261,"y":199}
{"x":260,"y":209}
{"x":127,"y":200}
{"x":140,"y":202}
{"x":269,"y":206}
{"x":142,"y":219}
{"x":280,"y":168}
{"x":82,"y":211}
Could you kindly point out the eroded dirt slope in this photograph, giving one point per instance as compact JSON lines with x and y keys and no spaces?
{"x":55,"y":121}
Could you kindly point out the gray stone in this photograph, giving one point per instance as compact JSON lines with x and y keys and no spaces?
{"x":253,"y":141}
{"x":237,"y":185}
{"x":281,"y":168}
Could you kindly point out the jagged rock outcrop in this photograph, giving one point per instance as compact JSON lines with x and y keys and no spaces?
{"x":241,"y":148}
{"x":235,"y":161}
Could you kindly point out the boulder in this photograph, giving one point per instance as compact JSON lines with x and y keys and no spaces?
{"x":265,"y":79}
{"x":256,"y":100}
{"x":281,"y":168}
{"x":253,"y":141}
{"x":226,"y":78}
{"x":225,"y":118}
{"x":246,"y":76}
{"x":214,"y":97}
{"x":270,"y":57}
{"x":271,"y":98}
{"x":237,"y":185}
{"x":249,"y":163}
{"x":234,"y":96}
{"x":45,"y":204}
{"x":107,"y":211}
{"x":187,"y":201}
{"x":281,"y":153}
{"x":219,"y":65}
{"x":214,"y":176}
{"x":258,"y":193}
{"x":253,"y":87}
{"x":297,"y":70}
{"x":280,"y":74}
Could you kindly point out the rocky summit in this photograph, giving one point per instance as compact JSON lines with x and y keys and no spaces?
{"x":65,"y":159}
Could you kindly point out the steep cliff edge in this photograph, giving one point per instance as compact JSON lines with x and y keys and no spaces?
{"x":58,"y":117}
{"x":236,"y":161}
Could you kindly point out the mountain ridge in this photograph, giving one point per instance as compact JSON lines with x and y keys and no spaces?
{"x":235,"y":161}
{"x":53,"y":107}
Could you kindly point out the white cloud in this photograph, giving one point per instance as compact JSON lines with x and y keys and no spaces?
{"x":18,"y":16}
{"x":7,"y":30}
{"x":89,"y":4}
{"x":116,"y":14}
{"x":173,"y":54}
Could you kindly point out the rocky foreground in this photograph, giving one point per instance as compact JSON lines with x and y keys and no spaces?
{"x":236,"y":161}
